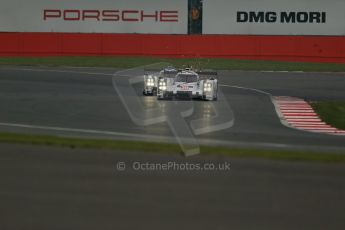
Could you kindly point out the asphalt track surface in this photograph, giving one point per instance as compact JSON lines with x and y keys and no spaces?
{"x":59,"y":188}
{"x":83,"y":102}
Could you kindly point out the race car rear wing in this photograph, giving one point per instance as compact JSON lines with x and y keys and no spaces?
{"x":156,"y":72}
{"x":201,"y":73}
{"x":207,"y":73}
{"x":159,"y":70}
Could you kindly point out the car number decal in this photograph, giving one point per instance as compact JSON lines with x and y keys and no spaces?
{"x":184,"y":87}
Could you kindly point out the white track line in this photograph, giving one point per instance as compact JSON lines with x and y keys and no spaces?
{"x":86,"y":131}
{"x":245,"y":88}
{"x":145,"y":137}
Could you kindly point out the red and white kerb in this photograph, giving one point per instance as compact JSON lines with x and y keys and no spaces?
{"x":297,"y":113}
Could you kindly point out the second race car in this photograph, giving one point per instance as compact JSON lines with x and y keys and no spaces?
{"x":187,"y":84}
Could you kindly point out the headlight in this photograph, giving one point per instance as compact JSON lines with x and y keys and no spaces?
{"x":150,"y":81}
{"x":162,"y":85}
{"x":207,"y":87}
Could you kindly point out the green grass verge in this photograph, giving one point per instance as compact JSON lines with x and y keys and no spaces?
{"x":170,"y":148}
{"x":206,"y":63}
{"x":331,"y":112}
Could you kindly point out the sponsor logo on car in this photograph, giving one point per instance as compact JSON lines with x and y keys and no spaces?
{"x":184,"y":87}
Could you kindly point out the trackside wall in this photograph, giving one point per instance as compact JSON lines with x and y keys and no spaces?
{"x":265,"y":31}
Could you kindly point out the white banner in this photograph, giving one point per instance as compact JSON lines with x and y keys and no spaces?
{"x":95,"y":16}
{"x":274,"y":17}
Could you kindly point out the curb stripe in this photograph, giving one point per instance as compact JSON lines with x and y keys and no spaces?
{"x":296,"y":110}
{"x":297,"y":113}
{"x":311,"y":125}
{"x":308,"y":123}
{"x":302,"y":118}
{"x":300,"y":114}
{"x":314,"y":118}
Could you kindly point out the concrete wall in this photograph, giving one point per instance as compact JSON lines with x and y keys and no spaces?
{"x":20,"y":35}
{"x":290,"y":48}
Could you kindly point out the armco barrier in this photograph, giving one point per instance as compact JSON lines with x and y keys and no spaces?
{"x":288,"y":48}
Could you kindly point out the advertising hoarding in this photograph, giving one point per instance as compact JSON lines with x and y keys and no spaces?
{"x":274,"y":17}
{"x":91,"y":16}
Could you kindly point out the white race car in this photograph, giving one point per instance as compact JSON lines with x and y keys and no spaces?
{"x":188,"y":84}
{"x":151,"y":79}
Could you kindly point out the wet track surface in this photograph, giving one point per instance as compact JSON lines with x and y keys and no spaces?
{"x":85,"y":99}
{"x":60,"y":188}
